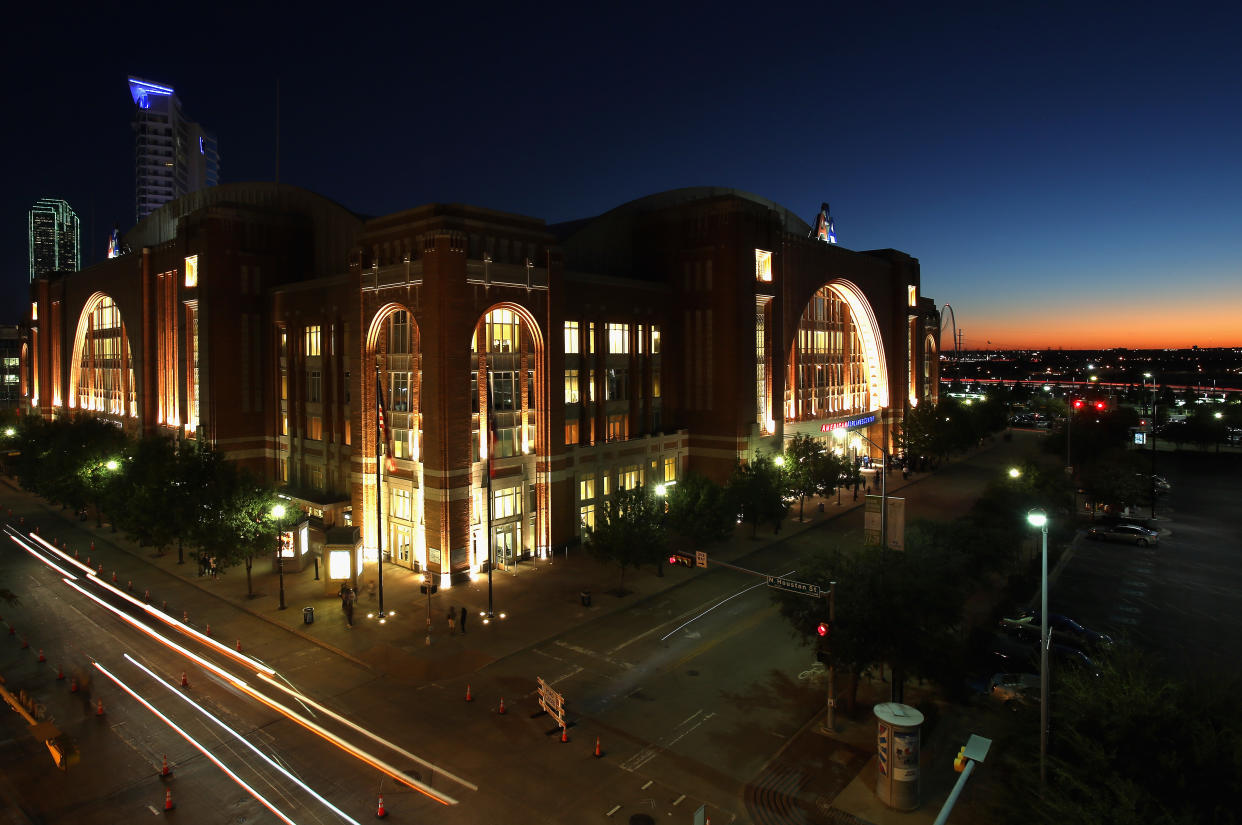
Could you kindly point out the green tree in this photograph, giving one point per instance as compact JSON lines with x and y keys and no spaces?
{"x":804,"y":469}
{"x":1130,"y":745}
{"x":1117,"y":479}
{"x":698,"y":512}
{"x":628,"y":531}
{"x":757,"y":492}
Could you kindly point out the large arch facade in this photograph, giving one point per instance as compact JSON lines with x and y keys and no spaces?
{"x":393,"y":355}
{"x":508,"y":429}
{"x":101,"y":369}
{"x":835,"y":364}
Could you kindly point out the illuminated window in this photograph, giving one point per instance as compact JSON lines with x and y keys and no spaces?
{"x":571,"y":386}
{"x":655,"y":340}
{"x":34,"y":311}
{"x":402,"y":541}
{"x":591,"y":337}
{"x":914,"y":295}
{"x":607,"y":478}
{"x":346,"y":431}
{"x":618,"y":339}
{"x":628,"y":479}
{"x":571,"y":433}
{"x":670,"y":469}
{"x":591,"y":386}
{"x":586,"y":488}
{"x":639,"y":335}
{"x":506,"y":503}
{"x":571,"y":337}
{"x":314,"y":428}
{"x":763,"y":265}
{"x":402,"y":504}
{"x":284,"y":423}
{"x":618,"y":427}
{"x":586,"y":515}
{"x":655,"y":385}
{"x":284,"y":387}
{"x":191,"y":271}
{"x":312,"y":341}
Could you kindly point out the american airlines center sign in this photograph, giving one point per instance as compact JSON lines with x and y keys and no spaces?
{"x":848,"y":424}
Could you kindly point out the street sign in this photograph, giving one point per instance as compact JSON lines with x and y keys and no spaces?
{"x":792,"y":586}
{"x":700,"y":558}
{"x":552,"y":702}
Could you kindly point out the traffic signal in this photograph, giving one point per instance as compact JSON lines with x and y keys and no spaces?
{"x":1099,"y":405}
{"x":1078,"y":403}
{"x":959,"y":763}
{"x":823,"y":629}
{"x":675,"y":559}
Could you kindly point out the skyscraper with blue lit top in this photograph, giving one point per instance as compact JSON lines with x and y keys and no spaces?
{"x":172,"y":156}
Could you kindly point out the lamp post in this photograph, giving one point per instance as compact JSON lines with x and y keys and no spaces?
{"x":1147,"y":376}
{"x":1037,"y":518}
{"x":278,"y":513}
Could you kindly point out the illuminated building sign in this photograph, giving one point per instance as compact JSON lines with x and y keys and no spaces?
{"x":848,"y":424}
{"x":114,"y":243}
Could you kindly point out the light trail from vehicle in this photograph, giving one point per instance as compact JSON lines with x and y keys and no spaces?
{"x":744,"y":590}
{"x":197,"y":745}
{"x":241,"y":739}
{"x":284,"y":710}
{"x":301,"y":697}
{"x":181,"y":627}
{"x":263,"y":672}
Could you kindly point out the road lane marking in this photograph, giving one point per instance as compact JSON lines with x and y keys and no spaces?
{"x":678,"y":800}
{"x":648,"y":785}
{"x":722,"y":601}
{"x":615,"y":808}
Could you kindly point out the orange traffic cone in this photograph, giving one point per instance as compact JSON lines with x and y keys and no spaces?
{"x":168,"y":803}
{"x":114,"y":577}
{"x":380,"y":813}
{"x":208,"y":628}
{"x":146,"y":596}
{"x":60,"y":673}
{"x":88,"y":561}
{"x":76,"y":555}
{"x":185,"y":682}
{"x":92,"y":547}
{"x":239,"y":645}
{"x":469,"y":698}
{"x":564,"y":734}
{"x":501,"y":709}
{"x":73,"y":685}
{"x":42,"y":658}
{"x":185,"y":617}
{"x":598,"y":753}
{"x":99,"y":708}
{"x":165,"y":771}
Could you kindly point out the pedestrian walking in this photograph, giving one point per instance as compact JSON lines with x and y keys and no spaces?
{"x":347,"y":604}
{"x":463,"y":620}
{"x":452,"y":619}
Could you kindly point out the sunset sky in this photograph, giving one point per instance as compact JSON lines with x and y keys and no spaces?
{"x":1069,"y":174}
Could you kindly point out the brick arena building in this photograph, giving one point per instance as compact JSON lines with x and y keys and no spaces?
{"x":687,"y":330}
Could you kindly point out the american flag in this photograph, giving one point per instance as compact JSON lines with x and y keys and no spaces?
{"x":382,"y":420}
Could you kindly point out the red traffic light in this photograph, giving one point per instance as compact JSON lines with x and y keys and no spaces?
{"x":823,"y":629}
{"x":1078,"y":403}
{"x":1099,"y":405}
{"x":672,"y":559}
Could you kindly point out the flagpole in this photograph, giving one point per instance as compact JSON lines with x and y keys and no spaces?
{"x":491,"y":458}
{"x":379,"y":489}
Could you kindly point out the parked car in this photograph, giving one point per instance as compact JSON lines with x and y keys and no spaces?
{"x":1014,"y":689}
{"x":1014,"y":655}
{"x":1063,"y":629}
{"x":1125,"y":533}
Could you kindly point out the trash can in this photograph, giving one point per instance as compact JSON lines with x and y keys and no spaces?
{"x":308,"y":615}
{"x":586,"y":598}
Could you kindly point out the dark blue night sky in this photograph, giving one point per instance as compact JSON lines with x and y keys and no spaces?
{"x":1069,"y":174}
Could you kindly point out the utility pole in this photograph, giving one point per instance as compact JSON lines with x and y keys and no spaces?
{"x":832,"y":668}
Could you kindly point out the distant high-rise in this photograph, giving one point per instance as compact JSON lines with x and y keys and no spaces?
{"x":53,"y":238}
{"x":172,"y":156}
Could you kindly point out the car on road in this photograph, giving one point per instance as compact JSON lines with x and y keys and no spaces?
{"x":1062,"y":628}
{"x":1015,"y":654}
{"x":1124,"y":533}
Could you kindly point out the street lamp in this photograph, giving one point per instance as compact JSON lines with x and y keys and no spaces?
{"x":1037,"y":518}
{"x":278,"y":513}
{"x":1147,"y":376}
{"x":1014,"y":472}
